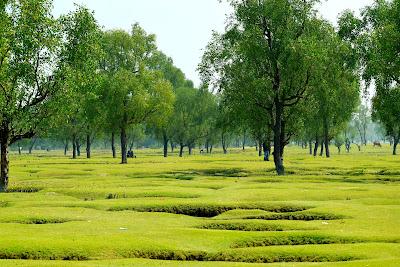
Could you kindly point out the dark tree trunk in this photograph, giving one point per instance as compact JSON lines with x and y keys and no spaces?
{"x":208,"y":146}
{"x":181,"y":150}
{"x":32,"y":145}
{"x":124,"y":159}
{"x":190,"y":150}
{"x":114,"y":152}
{"x":259,"y":149}
{"x":321,"y":153}
{"x":223,"y":141}
{"x":78,"y":147}
{"x":165,"y":141}
{"x":244,"y":140}
{"x":395,"y":143}
{"x":280,"y":169}
{"x":5,"y":139}
{"x":316,"y":146}
{"x":65,"y":147}
{"x":172,"y":147}
{"x":310,"y":147}
{"x":74,"y":146}
{"x":88,"y":146}
{"x":211,"y":149}
{"x":326,"y":138}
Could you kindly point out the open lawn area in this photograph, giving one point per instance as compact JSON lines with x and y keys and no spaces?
{"x":202,"y":210}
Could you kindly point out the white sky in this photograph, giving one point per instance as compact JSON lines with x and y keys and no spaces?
{"x":183,"y":27}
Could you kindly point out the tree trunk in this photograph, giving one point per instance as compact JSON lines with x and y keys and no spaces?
{"x":280,"y":169}
{"x":310,"y":147}
{"x":4,"y":160}
{"x":259,"y":149}
{"x":124,"y":159}
{"x":321,"y":153}
{"x":114,"y":153}
{"x":19,"y":149}
{"x":211,"y":149}
{"x":181,"y":150}
{"x":208,"y":146}
{"x":78,"y":147}
{"x":223,"y":141}
{"x":326,"y":138}
{"x":395,"y":143}
{"x":32,"y":145}
{"x":165,"y":141}
{"x":88,"y":146}
{"x":172,"y":147}
{"x":316,"y":146}
{"x":190,"y":150}
{"x":244,"y":140}
{"x":74,"y":146}
{"x":65,"y":147}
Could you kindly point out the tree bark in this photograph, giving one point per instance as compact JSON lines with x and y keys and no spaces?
{"x":190,"y":150}
{"x":78,"y":147}
{"x":5,"y":139}
{"x":316,"y":146}
{"x":88,"y":146}
{"x":326,"y":138}
{"x":65,"y":147}
{"x":32,"y":145}
{"x":181,"y":150}
{"x":124,"y":159}
{"x":211,"y":149}
{"x":395,"y":143}
{"x":310,"y":147}
{"x":74,"y":146}
{"x":259,"y":149}
{"x":208,"y":146}
{"x":322,"y":149}
{"x":165,"y":141}
{"x":280,"y":169}
{"x":114,"y":151}
{"x":244,"y":140}
{"x":223,"y":141}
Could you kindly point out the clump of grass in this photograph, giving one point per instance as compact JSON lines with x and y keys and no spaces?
{"x":280,"y":257}
{"x":208,"y":211}
{"x":4,"y":204}
{"x":294,"y":240}
{"x":235,"y":226}
{"x":23,"y":189}
{"x":297,"y":216}
{"x":17,"y":253}
{"x":40,"y":220}
{"x":233,"y":172}
{"x":234,"y":256}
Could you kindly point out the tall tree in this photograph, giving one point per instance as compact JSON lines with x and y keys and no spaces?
{"x":29,"y":71}
{"x":134,"y":92}
{"x":274,"y":44}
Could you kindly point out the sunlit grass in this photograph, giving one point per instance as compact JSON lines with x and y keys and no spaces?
{"x":342,"y":211}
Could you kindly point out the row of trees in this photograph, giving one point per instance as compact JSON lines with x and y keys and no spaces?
{"x":279,"y":73}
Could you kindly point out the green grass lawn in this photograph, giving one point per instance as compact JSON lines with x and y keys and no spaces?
{"x":202,"y":210}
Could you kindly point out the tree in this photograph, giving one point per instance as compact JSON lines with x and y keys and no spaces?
{"x":82,"y":112}
{"x":275,"y":46}
{"x":29,"y":71}
{"x":134,"y":93}
{"x":190,"y":119}
{"x":376,"y":38}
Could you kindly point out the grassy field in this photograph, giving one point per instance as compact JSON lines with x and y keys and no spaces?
{"x":218,"y":210}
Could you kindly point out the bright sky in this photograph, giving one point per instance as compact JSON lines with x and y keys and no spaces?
{"x":183,"y":27}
